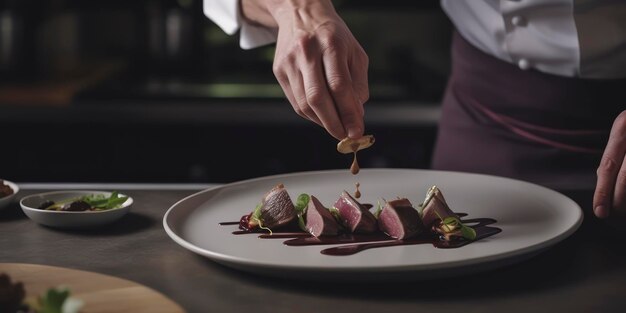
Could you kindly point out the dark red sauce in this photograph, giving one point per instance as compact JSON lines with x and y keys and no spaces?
{"x":354,"y":243}
{"x":229,"y":223}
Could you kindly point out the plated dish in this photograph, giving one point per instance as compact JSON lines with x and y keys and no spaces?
{"x":352,"y":227}
{"x":76,"y":209}
{"x":532,"y":218}
{"x":7,"y":192}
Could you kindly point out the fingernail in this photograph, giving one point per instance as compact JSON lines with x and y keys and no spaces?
{"x":601,"y":211}
{"x":354,"y":132}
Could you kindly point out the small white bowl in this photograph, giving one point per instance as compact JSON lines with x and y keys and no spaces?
{"x":4,"y":201}
{"x":71,"y":219}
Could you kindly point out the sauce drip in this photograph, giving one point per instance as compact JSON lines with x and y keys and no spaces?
{"x":354,"y":168}
{"x":357,"y":193}
{"x":355,"y":243}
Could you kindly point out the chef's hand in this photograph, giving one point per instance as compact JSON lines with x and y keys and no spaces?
{"x":319,"y":64}
{"x":610,"y":196}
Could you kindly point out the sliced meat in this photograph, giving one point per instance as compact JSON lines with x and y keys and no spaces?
{"x":354,"y":216}
{"x":319,"y":221}
{"x":435,"y":207}
{"x":277,"y":209}
{"x":399,"y":219}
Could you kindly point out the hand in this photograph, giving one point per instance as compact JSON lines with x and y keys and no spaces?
{"x":610,"y":195}
{"x":320,"y":66}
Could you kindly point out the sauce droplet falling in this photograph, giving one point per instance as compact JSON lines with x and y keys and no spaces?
{"x":357,"y":193}
{"x":354,"y":168}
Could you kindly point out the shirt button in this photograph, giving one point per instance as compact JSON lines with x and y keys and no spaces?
{"x":523,"y":64}
{"x":518,"y":20}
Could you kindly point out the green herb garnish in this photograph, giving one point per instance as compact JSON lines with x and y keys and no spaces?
{"x":335,"y":212}
{"x":468,"y":232}
{"x":56,"y":300}
{"x":101,"y":202}
{"x":302,"y":202}
{"x":451,"y":223}
{"x":52,"y":301}
{"x":379,"y":209}
{"x":256,"y":217}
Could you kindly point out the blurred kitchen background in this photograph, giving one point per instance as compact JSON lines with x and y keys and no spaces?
{"x":152,"y":91}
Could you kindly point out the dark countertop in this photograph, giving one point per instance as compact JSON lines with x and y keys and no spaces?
{"x":584,"y":273}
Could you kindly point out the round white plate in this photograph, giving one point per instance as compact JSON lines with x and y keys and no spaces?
{"x":531,"y":217}
{"x":4,"y":201}
{"x":67,"y":219}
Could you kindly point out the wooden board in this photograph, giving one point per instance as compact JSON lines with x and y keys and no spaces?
{"x":101,"y":293}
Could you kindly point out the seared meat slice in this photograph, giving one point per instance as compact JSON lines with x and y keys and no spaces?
{"x":435,"y":207}
{"x":354,"y":216}
{"x":276,"y":209}
{"x":399,"y":219}
{"x":319,"y":221}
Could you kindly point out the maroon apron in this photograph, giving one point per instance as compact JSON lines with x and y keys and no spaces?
{"x":501,"y":120}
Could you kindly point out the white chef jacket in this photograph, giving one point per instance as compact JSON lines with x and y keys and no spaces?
{"x":576,"y":38}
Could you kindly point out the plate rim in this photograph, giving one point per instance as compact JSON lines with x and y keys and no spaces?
{"x":240,"y":262}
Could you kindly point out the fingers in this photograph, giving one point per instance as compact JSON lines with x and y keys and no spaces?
{"x":341,"y":90}
{"x":303,"y":107}
{"x":292,"y":85}
{"x":323,"y":92}
{"x":618,"y":134}
{"x":319,"y":98}
{"x":323,"y":72}
{"x":607,"y":174}
{"x":619,"y":195}
{"x":358,"y":70}
{"x":610,"y":193}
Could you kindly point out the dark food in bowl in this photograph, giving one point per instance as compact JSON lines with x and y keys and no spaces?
{"x":5,"y":190}
{"x":85,"y":203}
{"x":77,"y":206}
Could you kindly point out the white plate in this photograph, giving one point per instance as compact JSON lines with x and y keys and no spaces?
{"x":4,"y":201}
{"x":66,"y":219}
{"x":531,"y":217}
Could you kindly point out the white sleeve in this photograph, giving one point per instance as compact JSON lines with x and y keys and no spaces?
{"x":226,"y":14}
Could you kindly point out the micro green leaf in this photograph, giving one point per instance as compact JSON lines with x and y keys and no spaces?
{"x":451,"y":221}
{"x":302,"y":202}
{"x":301,"y":222}
{"x":52,"y":300}
{"x":379,"y":209}
{"x":255,"y":217}
{"x":256,"y":214}
{"x":335,"y":212}
{"x":101,"y":202}
{"x":468,"y":232}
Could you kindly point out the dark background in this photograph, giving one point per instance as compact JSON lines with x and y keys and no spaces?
{"x":152,"y":91}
